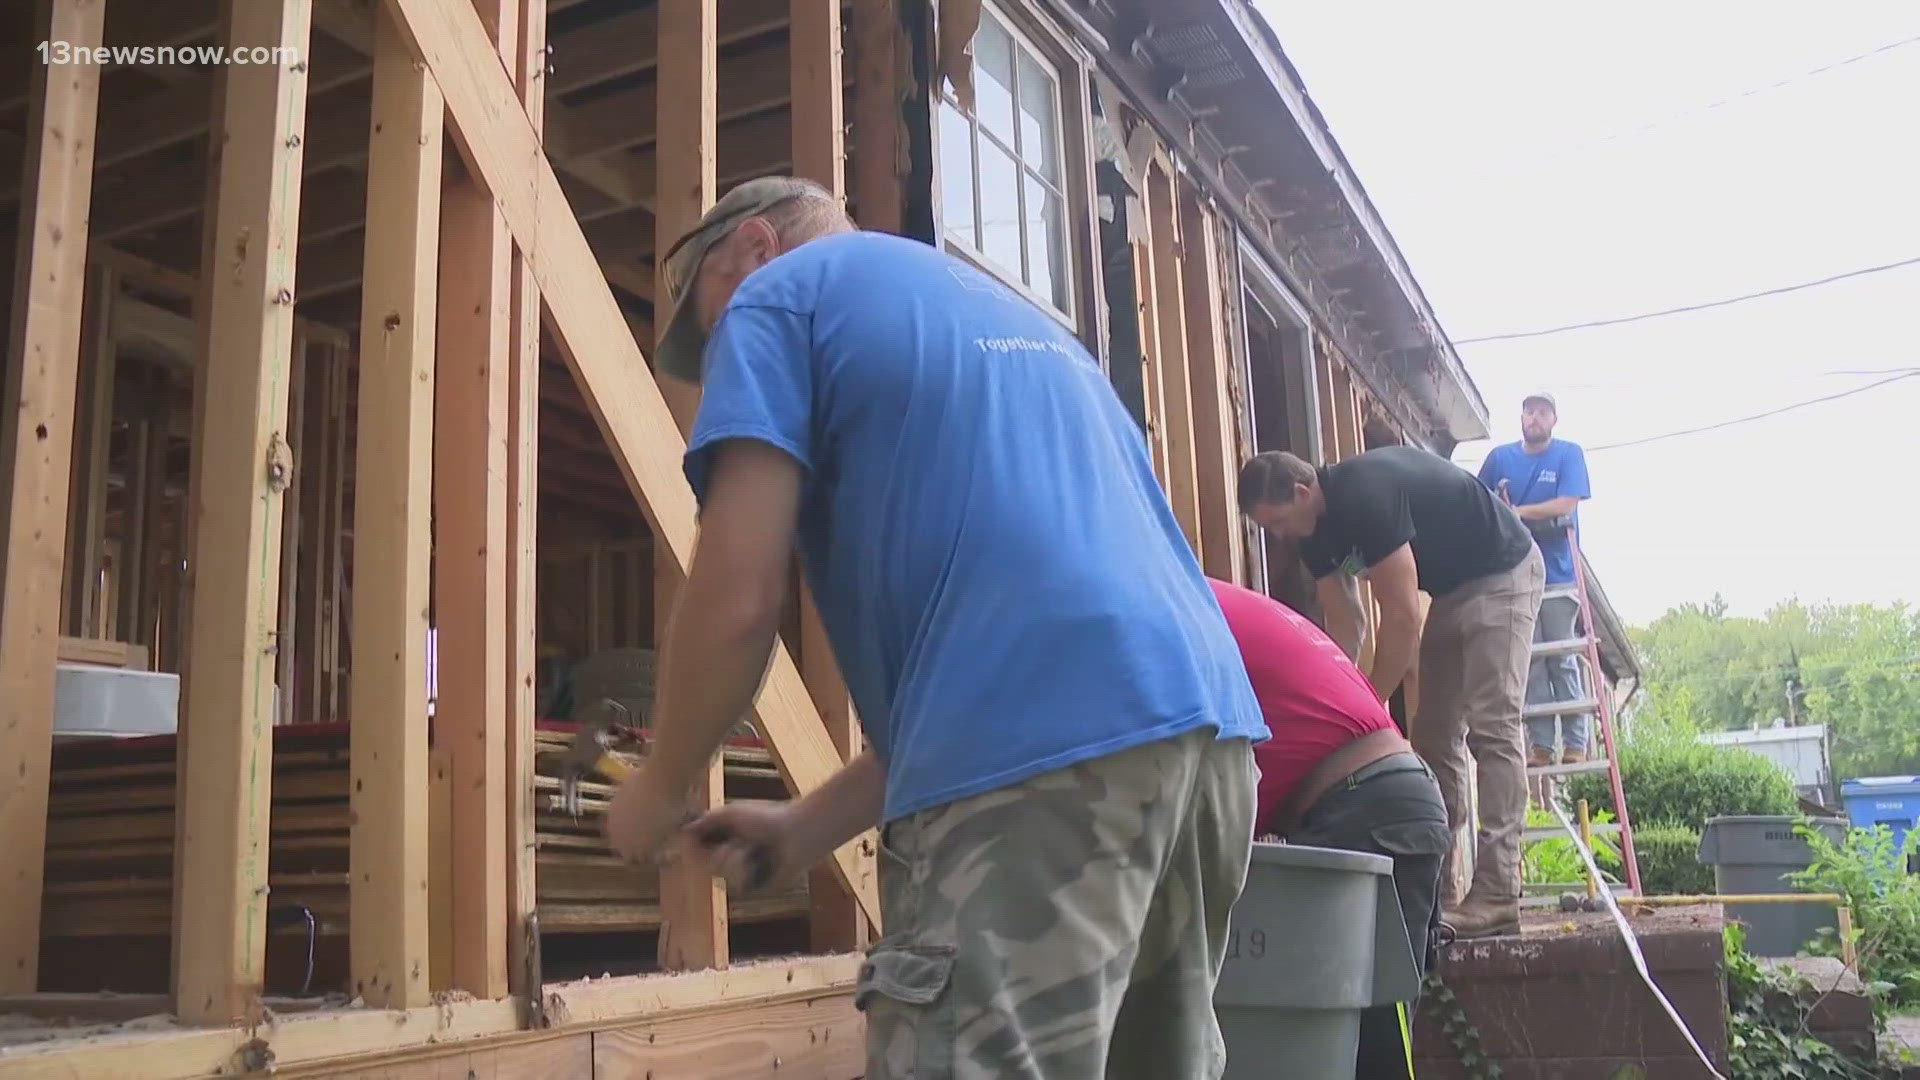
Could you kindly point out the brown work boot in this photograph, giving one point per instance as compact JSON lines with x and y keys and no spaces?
{"x":1573,"y":757}
{"x":1538,"y":756}
{"x":1479,"y":918}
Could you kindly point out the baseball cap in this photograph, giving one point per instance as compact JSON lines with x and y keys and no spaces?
{"x":1540,"y":395}
{"x":685,"y":340}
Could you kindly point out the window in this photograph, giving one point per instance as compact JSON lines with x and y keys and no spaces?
{"x":1002,"y":187}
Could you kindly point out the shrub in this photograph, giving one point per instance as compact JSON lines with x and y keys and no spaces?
{"x":1670,"y":865}
{"x":1869,"y":869}
{"x":1677,"y":781}
{"x":1555,"y":861}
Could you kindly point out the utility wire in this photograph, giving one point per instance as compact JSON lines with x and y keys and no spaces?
{"x":1905,"y":373}
{"x":1757,"y":416}
{"x":1723,"y":102}
{"x":1690,"y":307}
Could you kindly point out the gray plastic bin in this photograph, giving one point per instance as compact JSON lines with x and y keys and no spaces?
{"x":1316,"y":937}
{"x":1755,"y":855}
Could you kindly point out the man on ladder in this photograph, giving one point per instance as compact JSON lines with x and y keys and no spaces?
{"x":1544,"y":479}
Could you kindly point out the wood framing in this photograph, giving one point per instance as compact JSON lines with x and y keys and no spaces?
{"x":36,"y":440}
{"x":819,"y":154}
{"x":527,"y":67}
{"x":819,"y":127}
{"x":393,"y":476}
{"x":470,"y":431}
{"x":93,"y":432}
{"x":243,"y":467}
{"x":693,"y":903}
{"x":877,"y":120}
{"x":593,"y":336}
{"x":1210,"y":362}
{"x":1170,"y":328}
{"x":330,"y":1042}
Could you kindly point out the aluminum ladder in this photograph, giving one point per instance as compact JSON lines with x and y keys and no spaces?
{"x":1599,"y":702}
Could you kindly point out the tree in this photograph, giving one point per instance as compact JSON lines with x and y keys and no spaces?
{"x":1853,"y":667}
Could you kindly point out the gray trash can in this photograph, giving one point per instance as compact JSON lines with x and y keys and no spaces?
{"x":1755,"y":855}
{"x":1316,"y":937}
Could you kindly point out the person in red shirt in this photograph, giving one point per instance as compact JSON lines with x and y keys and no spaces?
{"x":1338,"y":774}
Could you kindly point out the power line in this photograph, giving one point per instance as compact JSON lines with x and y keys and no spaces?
{"x":1691,"y":307}
{"x":1757,"y":416}
{"x":1723,"y":102}
{"x":1904,"y":373}
{"x":1813,"y":669}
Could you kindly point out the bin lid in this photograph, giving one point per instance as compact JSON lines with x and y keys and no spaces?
{"x":1881,"y":785}
{"x":1316,"y":858}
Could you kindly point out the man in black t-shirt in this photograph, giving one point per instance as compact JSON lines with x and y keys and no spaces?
{"x":1409,"y":521}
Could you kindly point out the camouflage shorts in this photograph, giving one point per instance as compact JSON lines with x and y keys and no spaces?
{"x":1065,"y":928}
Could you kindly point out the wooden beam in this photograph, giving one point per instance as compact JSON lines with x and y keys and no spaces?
{"x":820,"y":154}
{"x":1147,"y":314}
{"x":527,"y":66}
{"x":242,"y":469}
{"x":1216,"y":460}
{"x":393,"y":478}
{"x":819,"y":127}
{"x":693,"y":903}
{"x":877,"y":120}
{"x":592,"y":335}
{"x":1171,"y":325}
{"x":36,"y":441}
{"x":93,"y":434}
{"x":470,"y":556}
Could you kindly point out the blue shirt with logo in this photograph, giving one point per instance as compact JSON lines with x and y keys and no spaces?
{"x":1559,"y":469}
{"x":1005,"y":586}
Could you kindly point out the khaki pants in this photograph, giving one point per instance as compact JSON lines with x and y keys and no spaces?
{"x":1068,"y":927}
{"x":1474,"y":656}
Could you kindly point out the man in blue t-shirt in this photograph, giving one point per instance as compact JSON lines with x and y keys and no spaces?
{"x":1544,"y":479}
{"x":1060,"y":721}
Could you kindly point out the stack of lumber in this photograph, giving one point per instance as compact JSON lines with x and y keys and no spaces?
{"x":111,"y":827}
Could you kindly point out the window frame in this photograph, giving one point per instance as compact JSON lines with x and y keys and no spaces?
{"x":1072,"y":185}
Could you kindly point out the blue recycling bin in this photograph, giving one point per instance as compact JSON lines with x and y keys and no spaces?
{"x":1893,"y":801}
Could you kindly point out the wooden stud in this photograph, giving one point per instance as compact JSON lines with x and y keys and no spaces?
{"x":287,"y":649}
{"x":87,"y":510}
{"x":242,"y":466}
{"x":819,"y":154}
{"x":878,"y":125}
{"x":1147,"y":314}
{"x":693,"y":903}
{"x":470,"y":557}
{"x":527,"y":66}
{"x":36,"y":440}
{"x":819,"y":129}
{"x":1170,"y":326}
{"x":593,"y":337}
{"x":392,"y":485}
{"x":1329,"y":431}
{"x":155,"y":567}
{"x":1216,"y":461}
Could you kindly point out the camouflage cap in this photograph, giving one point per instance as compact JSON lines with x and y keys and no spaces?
{"x":685,"y":340}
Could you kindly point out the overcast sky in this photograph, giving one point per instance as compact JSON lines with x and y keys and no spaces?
{"x":1507,"y":146}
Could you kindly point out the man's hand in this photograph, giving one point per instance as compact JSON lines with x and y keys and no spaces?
{"x":644,"y":815}
{"x":750,"y":843}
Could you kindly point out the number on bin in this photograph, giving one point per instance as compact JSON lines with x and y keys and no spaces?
{"x":1256,"y":944}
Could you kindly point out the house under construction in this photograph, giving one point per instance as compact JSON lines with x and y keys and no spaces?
{"x":335,"y":473}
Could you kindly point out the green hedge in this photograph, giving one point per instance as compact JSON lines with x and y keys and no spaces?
{"x":1668,"y":855}
{"x":1677,"y":781}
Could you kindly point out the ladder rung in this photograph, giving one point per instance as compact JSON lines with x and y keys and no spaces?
{"x":1561,"y":592}
{"x":1557,"y":708}
{"x":1596,"y":765}
{"x":1561,"y":648}
{"x":1604,"y":828}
